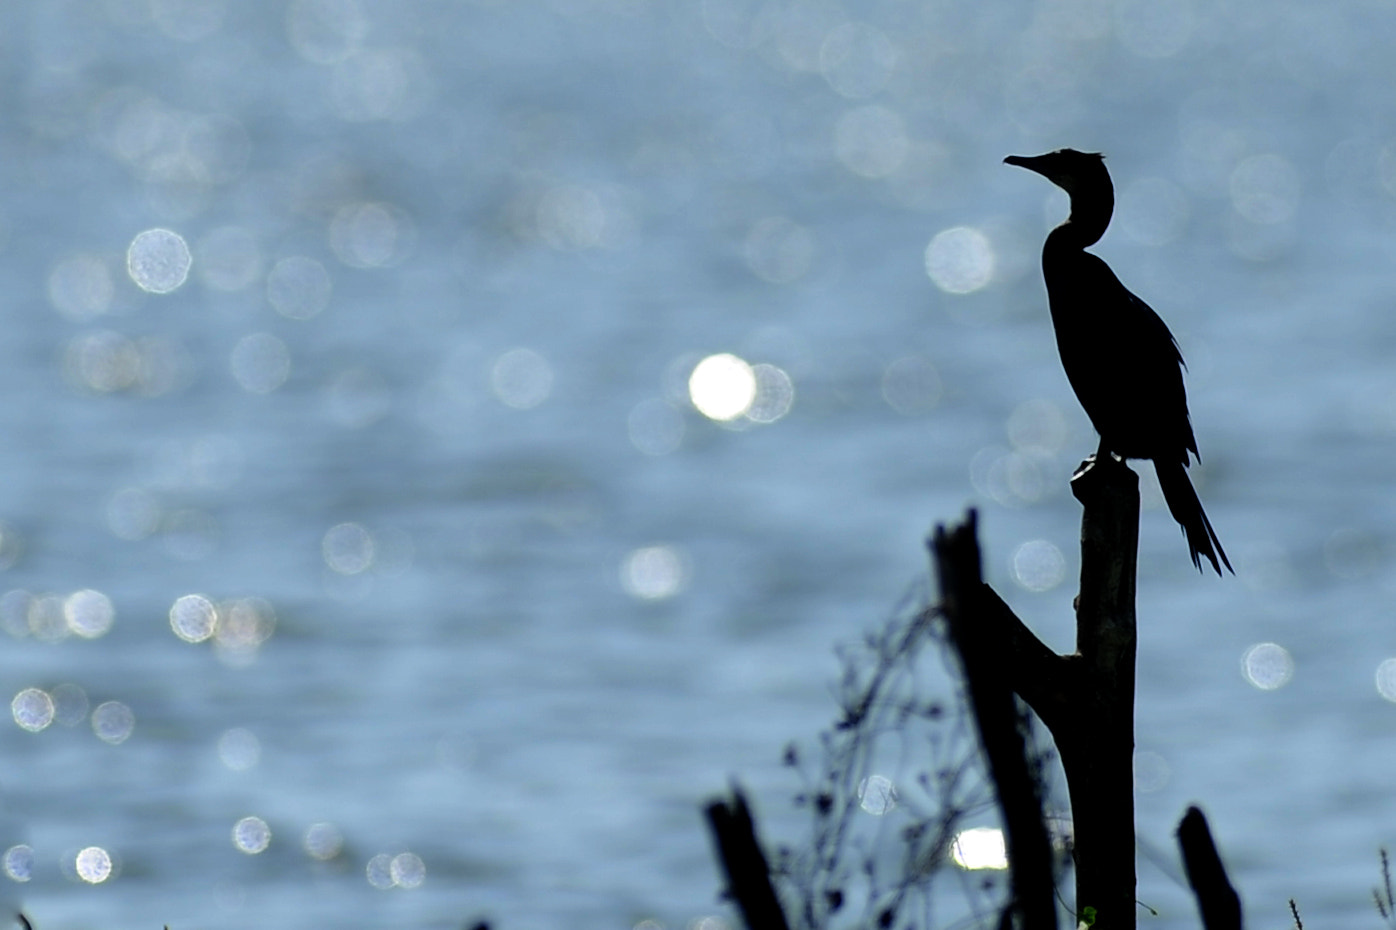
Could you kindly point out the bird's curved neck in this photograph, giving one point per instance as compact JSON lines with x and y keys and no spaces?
{"x":1090,"y":215}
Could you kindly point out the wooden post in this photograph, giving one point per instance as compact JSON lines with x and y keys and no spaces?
{"x":748,"y":875}
{"x":1217,"y":901}
{"x":1086,"y":700}
{"x":1096,"y":738}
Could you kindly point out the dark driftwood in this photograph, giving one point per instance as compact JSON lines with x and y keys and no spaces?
{"x":748,"y":874}
{"x":1086,"y":699}
{"x":1217,"y":901}
{"x":1002,"y":728}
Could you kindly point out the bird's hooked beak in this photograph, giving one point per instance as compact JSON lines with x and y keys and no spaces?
{"x":1051,"y":166}
{"x":1030,"y":162}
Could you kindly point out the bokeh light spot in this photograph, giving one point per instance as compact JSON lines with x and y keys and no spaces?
{"x":32,"y":709}
{"x":1038,"y":565}
{"x":911,"y":386}
{"x":1265,"y":189}
{"x":113,"y":722}
{"x":775,"y":394}
{"x":379,"y":84}
{"x":570,"y":217}
{"x":1386,"y":679}
{"x":133,"y":513}
{"x":653,"y":573}
{"x":722,"y":387}
{"x":193,"y":618}
{"x":239,"y":749}
{"x":260,"y":363}
{"x":1267,"y":666}
{"x":379,"y":871}
{"x":370,"y":235}
{"x":70,"y":704}
{"x":14,"y":612}
{"x":18,"y":863}
{"x":1151,"y":772}
{"x":877,"y":795}
{"x":1037,"y":425}
{"x":47,"y":622}
{"x":251,"y":835}
{"x":871,"y":141}
{"x":323,"y":841}
{"x":80,"y":287}
{"x":103,"y":361}
{"x":298,"y":287}
{"x":347,"y":548}
{"x":106,"y":362}
{"x":979,"y":848}
{"x":89,"y":613}
{"x":93,"y":865}
{"x":325,"y":31}
{"x":407,"y":870}
{"x":960,"y":260}
{"x":521,"y":378}
{"x":800,"y":29}
{"x":158,"y":261}
{"x":244,"y":624}
{"x":1010,"y":478}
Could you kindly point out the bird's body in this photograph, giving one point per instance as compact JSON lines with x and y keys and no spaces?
{"x":1121,"y":359}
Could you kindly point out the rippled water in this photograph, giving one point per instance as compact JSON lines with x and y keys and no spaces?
{"x":379,"y":553}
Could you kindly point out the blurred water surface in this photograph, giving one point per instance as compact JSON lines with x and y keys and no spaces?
{"x":375,"y":557}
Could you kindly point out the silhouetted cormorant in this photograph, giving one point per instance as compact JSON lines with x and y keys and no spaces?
{"x":1119,"y":356}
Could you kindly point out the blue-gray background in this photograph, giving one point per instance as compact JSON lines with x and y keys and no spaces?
{"x":452,"y":265}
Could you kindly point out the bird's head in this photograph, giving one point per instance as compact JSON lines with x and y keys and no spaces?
{"x":1069,"y":169}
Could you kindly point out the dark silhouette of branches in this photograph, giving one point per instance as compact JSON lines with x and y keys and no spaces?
{"x":877,"y":846}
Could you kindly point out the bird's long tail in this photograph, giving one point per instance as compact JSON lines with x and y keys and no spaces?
{"x":1187,"y":510}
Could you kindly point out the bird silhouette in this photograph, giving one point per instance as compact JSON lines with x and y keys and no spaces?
{"x":1121,"y":359}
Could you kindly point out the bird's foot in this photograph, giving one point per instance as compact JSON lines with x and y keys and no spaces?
{"x":1101,"y":458}
{"x":1103,"y":455}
